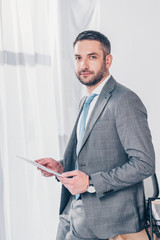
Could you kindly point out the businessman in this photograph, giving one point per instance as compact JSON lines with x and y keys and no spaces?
{"x":109,"y":153}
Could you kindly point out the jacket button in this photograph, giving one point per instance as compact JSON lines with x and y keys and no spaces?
{"x":109,"y":191}
{"x":82,"y":164}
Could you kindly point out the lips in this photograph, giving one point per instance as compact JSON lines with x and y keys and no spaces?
{"x":85,"y":74}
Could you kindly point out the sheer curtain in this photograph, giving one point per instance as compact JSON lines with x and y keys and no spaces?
{"x":38,"y":97}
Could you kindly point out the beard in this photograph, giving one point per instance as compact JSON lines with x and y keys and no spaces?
{"x":94,"y":79}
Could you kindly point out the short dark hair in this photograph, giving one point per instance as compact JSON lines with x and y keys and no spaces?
{"x":94,"y":35}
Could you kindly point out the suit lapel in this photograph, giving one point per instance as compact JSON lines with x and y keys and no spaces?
{"x":71,"y":147}
{"x":98,"y":108}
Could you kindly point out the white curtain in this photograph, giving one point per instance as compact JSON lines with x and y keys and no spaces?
{"x":39,"y":95}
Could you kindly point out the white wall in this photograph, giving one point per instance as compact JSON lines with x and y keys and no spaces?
{"x":133,"y":28}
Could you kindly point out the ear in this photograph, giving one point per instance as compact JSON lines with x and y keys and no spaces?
{"x":108,"y":61}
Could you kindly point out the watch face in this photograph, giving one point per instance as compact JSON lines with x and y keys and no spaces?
{"x":91,"y":189}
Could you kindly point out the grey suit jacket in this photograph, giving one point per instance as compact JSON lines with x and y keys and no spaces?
{"x":117,"y":152}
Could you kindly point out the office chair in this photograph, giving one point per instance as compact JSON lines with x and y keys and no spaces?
{"x":152,"y":225}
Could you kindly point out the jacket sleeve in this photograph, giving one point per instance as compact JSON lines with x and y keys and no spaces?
{"x":134,"y":134}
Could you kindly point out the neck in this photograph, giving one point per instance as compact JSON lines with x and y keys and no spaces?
{"x":91,"y":88}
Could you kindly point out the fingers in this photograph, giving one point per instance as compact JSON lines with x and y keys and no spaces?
{"x":68,"y":177}
{"x":75,"y":181}
{"x":46,"y":174}
{"x":44,"y":161}
{"x":47,"y":162}
{"x":70,"y":174}
{"x":51,"y":164}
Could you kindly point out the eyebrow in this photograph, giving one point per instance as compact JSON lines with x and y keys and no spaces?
{"x":89,"y":54}
{"x":94,"y":53}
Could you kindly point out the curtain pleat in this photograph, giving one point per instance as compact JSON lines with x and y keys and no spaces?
{"x":39,"y":95}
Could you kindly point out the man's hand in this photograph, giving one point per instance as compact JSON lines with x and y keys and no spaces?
{"x":75,"y":181}
{"x":50,"y":163}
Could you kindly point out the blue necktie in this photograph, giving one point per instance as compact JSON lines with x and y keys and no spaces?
{"x":83,"y":121}
{"x":82,"y":126}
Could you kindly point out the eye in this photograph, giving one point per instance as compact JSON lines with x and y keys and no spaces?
{"x":92,"y":57}
{"x":77,"y":58}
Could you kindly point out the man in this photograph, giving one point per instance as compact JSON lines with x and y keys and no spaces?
{"x":112,"y":149}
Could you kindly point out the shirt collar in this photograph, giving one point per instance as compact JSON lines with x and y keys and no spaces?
{"x":98,"y":89}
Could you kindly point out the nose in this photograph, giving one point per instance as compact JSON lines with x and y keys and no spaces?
{"x":84,"y":64}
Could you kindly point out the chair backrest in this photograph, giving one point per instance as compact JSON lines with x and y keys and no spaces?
{"x":156,"y":210}
{"x":151,"y":187}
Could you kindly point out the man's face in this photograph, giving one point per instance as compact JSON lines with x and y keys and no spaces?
{"x":90,"y":64}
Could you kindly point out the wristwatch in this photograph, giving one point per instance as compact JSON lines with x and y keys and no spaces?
{"x":91,"y":188}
